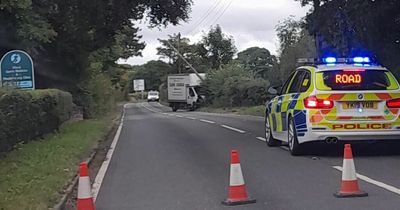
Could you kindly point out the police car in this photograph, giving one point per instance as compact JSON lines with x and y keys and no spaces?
{"x":332,"y":100}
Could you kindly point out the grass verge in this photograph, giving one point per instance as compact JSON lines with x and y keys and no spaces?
{"x":32,"y":176}
{"x":253,"y":110}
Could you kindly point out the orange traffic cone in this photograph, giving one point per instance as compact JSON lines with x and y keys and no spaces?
{"x":349,"y":186}
{"x":237,"y":194}
{"x":85,"y":200}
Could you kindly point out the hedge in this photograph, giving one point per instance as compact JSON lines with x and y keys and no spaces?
{"x":26,"y":115}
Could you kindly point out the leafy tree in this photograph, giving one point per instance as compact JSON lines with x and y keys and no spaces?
{"x":154,"y":74}
{"x":359,"y":27}
{"x":295,"y":42}
{"x":220,"y":47}
{"x":258,"y":60}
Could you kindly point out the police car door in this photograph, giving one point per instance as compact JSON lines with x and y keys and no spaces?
{"x":287,"y":98}
{"x":276,"y":119}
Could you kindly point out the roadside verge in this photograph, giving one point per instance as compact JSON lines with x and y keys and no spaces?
{"x":34,"y":175}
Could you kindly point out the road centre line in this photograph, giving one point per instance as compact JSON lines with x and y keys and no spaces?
{"x":180,"y":116}
{"x":207,"y":121}
{"x":233,"y":129}
{"x":261,"y":138}
{"x":190,"y":118}
{"x":374,"y":182}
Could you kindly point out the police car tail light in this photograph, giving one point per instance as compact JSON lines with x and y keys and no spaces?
{"x":395,"y":103}
{"x":313,"y":102}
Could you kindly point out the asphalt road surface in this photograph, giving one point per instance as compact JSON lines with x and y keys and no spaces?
{"x":180,"y":160}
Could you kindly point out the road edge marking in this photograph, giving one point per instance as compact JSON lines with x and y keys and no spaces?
{"x":233,"y":129}
{"x":104,"y":166}
{"x":261,"y":138}
{"x":207,"y":121}
{"x":374,"y":182}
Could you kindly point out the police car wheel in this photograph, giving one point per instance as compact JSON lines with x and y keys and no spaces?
{"x":269,"y":139}
{"x":293,"y":143}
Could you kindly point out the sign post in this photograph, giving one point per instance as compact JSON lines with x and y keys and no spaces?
{"x":16,"y":70}
{"x":138,"y":85}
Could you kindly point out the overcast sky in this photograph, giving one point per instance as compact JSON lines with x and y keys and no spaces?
{"x":249,"y":22}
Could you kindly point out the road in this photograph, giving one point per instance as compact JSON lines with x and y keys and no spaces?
{"x":167,"y":160}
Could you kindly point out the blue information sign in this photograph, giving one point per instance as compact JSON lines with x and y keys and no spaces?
{"x":17,"y":70}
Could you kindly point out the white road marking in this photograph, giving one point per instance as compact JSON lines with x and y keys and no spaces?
{"x":180,"y":116}
{"x":285,"y":148}
{"x":234,"y":129}
{"x":261,"y":139}
{"x":374,"y":182}
{"x":104,"y":166}
{"x":190,"y":118}
{"x":149,"y":108}
{"x":207,"y":121}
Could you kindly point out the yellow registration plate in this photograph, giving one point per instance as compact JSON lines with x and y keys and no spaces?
{"x":360,"y":104}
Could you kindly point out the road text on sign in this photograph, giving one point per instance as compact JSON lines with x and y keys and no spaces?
{"x":348,"y":79}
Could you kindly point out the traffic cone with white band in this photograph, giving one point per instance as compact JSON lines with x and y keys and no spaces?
{"x":84,"y":200}
{"x":237,"y":194}
{"x":349,"y":186}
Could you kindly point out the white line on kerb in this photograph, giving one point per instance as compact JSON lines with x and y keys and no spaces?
{"x":285,"y":148}
{"x":374,"y":182}
{"x":261,"y":138}
{"x":234,"y":129}
{"x":104,"y":166}
{"x":207,"y":121}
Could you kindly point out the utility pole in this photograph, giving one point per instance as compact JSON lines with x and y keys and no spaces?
{"x":179,"y":60}
{"x":187,"y":62}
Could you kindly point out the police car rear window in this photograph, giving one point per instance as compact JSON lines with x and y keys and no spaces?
{"x":356,"y":79}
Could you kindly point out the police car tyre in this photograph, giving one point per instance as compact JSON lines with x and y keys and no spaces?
{"x":269,"y":139}
{"x":293,"y":143}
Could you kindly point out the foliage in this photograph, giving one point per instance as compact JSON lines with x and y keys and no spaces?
{"x":195,"y":54}
{"x":259,"y":61}
{"x":220,"y":48}
{"x":347,"y":28}
{"x":25,"y":115}
{"x":34,"y":175}
{"x":232,"y":85}
{"x":71,"y":41}
{"x":154,"y":74}
{"x":96,"y":97}
{"x":295,"y":42}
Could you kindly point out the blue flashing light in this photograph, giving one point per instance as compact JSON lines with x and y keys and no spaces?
{"x":330,"y":60}
{"x":361,"y":60}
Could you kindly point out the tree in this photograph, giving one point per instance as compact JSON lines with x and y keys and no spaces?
{"x":154,"y":74}
{"x":182,"y":47}
{"x":74,"y":38}
{"x":258,"y":60}
{"x":220,"y":47}
{"x":295,"y":42}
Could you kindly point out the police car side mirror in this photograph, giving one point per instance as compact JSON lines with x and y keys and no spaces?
{"x":272,"y":91}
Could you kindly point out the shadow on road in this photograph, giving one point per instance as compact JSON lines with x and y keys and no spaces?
{"x":373,"y":148}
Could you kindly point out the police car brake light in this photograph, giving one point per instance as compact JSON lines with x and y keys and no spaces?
{"x":313,"y":102}
{"x":395,"y":103}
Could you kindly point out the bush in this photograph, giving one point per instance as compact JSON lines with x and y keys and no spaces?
{"x":234,"y":86}
{"x":96,"y":96}
{"x":26,"y":115}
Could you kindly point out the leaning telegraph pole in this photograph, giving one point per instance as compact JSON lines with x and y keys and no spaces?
{"x":187,"y":62}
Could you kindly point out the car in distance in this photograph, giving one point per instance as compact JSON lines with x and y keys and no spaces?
{"x":153,"y":96}
{"x":333,"y":100}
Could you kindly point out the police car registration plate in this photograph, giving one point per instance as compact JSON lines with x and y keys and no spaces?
{"x":360,"y":104}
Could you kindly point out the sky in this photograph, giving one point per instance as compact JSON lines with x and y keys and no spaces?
{"x":250,"y":23}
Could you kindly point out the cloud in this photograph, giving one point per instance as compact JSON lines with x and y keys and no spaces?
{"x":249,"y":22}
